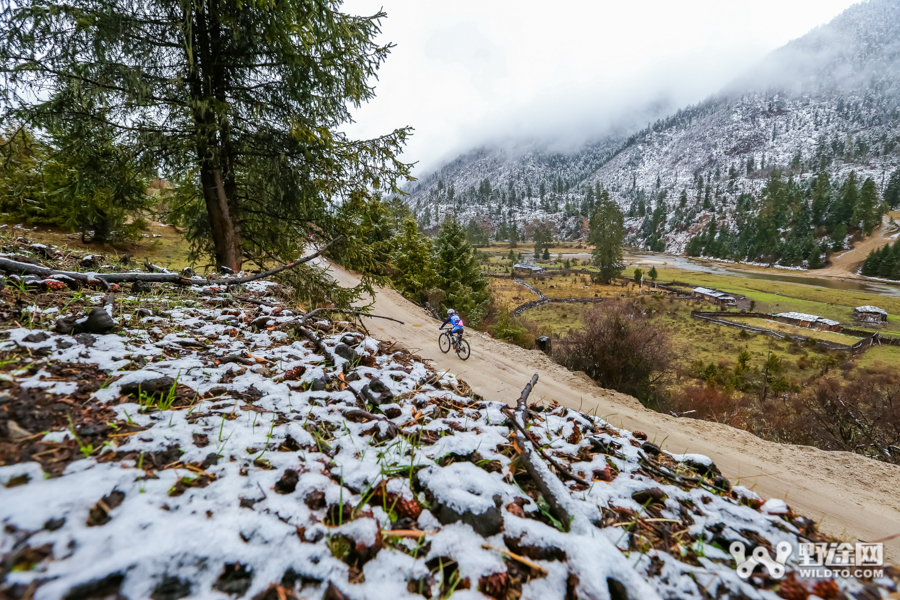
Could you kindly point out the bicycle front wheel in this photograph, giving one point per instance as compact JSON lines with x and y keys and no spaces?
{"x":462,"y":349}
{"x":444,"y":342}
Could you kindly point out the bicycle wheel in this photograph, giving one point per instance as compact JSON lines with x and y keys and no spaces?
{"x":462,"y":349}
{"x":444,"y":342}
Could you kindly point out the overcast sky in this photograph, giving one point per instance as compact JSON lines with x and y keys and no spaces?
{"x":473,"y":72}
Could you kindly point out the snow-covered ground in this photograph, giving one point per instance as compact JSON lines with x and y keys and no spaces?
{"x":270,"y":465}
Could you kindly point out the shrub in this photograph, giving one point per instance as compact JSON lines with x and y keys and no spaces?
{"x":621,"y":348}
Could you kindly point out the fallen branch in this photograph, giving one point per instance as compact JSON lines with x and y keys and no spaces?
{"x":319,"y":345}
{"x":104,"y":279}
{"x":309,"y":315}
{"x":276,"y":270}
{"x":551,"y":488}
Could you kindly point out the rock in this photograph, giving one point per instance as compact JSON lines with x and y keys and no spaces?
{"x":706,"y":468}
{"x":315,"y":500}
{"x":351,"y":339}
{"x":98,"y":321}
{"x":375,"y":392}
{"x":261,"y":322}
{"x":66,"y":325}
{"x":91,"y":261}
{"x":36,"y":337}
{"x":650,"y":448}
{"x":488,"y":523}
{"x":54,"y":524}
{"x":288,"y":482}
{"x":353,"y":376}
{"x":344,"y":351}
{"x":652,"y":495}
{"x":379,"y":387}
{"x":149,"y":387}
{"x":85,"y":339}
{"x":141,"y":287}
{"x":318,"y":384}
{"x":639,"y":435}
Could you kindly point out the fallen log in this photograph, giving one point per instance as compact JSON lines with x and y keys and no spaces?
{"x":104,"y":279}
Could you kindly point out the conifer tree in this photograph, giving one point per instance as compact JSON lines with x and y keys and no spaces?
{"x":867,"y":212}
{"x":457,"y":273}
{"x":413,"y":274}
{"x":243,"y":103}
{"x":821,"y":199}
{"x":892,"y":190}
{"x":653,"y":274}
{"x":846,"y":203}
{"x":607,"y":230}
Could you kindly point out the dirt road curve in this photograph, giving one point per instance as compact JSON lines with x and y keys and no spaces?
{"x":850,"y":496}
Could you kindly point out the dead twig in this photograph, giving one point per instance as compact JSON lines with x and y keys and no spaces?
{"x":525,"y":561}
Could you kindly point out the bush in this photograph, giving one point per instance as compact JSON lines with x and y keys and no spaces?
{"x":621,"y":348}
{"x":505,"y":326}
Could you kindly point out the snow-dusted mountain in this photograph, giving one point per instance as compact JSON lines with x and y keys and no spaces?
{"x":828,"y":101}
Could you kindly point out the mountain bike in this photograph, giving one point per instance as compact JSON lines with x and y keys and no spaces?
{"x":447,"y":341}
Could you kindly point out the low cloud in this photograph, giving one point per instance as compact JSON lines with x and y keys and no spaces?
{"x":469,"y":74}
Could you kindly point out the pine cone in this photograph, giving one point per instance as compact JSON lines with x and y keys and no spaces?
{"x":293,"y":374}
{"x":408,"y":508}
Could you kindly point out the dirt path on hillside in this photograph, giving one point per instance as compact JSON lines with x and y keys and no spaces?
{"x":846,"y":264}
{"x":850,"y":496}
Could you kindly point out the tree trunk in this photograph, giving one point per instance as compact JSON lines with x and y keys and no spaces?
{"x":204,"y":77}
{"x":226,"y":236}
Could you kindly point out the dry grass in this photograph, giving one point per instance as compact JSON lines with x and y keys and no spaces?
{"x":829,"y":336}
{"x":510,"y":293}
{"x":163,"y":246}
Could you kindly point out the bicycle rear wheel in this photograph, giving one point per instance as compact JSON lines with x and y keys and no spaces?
{"x":462,"y":349}
{"x":444,"y":342}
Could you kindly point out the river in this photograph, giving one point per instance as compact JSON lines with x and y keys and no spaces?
{"x":649,"y":259}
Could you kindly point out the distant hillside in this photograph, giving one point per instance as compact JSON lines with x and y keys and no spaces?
{"x":828,"y":102}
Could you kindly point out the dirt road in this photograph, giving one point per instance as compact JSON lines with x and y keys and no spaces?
{"x":845,"y":264}
{"x":850,"y":496}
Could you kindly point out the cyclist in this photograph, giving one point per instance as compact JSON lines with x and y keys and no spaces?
{"x":456,"y":324}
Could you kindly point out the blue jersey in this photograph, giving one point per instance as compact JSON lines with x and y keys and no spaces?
{"x":454,"y":320}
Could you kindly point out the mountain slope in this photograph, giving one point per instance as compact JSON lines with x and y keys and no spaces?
{"x":827,"y":102}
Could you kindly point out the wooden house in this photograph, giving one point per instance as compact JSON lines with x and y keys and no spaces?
{"x":809,"y":321}
{"x":715,"y":296}
{"x":871,"y":315}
